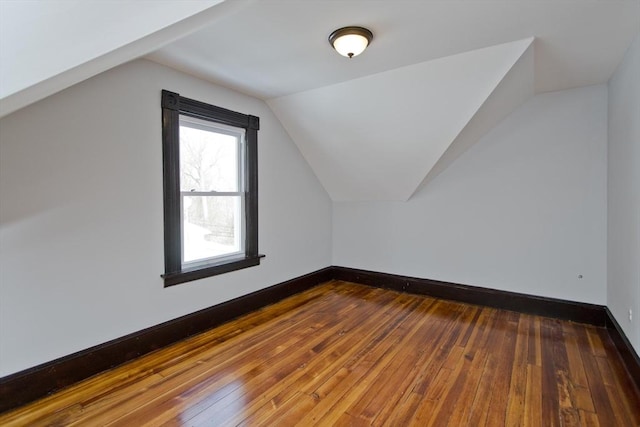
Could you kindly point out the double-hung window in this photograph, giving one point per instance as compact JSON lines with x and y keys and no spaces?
{"x":210,"y":189}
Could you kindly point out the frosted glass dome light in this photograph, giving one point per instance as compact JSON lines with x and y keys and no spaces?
{"x":350,"y":41}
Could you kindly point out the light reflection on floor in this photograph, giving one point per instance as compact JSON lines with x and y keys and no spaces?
{"x":233,"y":395}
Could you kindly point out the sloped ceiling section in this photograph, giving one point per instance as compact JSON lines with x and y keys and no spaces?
{"x":47,"y":46}
{"x":517,"y":86}
{"x":377,"y":137}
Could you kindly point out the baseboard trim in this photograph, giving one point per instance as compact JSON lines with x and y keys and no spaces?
{"x":34,"y":383}
{"x":627,"y":353}
{"x":551,"y":307}
{"x":37,"y":382}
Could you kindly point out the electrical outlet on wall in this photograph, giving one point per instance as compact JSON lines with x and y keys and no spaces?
{"x":630,"y":315}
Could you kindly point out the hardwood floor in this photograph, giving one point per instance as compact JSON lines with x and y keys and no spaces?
{"x":343,"y":354}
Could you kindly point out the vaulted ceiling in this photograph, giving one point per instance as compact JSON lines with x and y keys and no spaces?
{"x":437,"y":76}
{"x":377,"y":137}
{"x":49,"y":45}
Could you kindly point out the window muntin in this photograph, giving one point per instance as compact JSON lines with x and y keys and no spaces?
{"x":210,"y":173}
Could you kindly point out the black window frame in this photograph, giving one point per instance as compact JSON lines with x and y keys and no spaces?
{"x":173,"y":106}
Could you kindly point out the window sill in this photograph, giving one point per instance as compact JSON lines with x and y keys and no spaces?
{"x":201,"y":272}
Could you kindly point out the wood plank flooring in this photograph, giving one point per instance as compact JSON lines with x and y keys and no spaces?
{"x":348,"y":355}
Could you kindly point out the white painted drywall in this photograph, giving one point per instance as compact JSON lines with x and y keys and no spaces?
{"x":523,"y":210}
{"x":516,"y":87}
{"x":623,"y":244}
{"x":377,"y":137}
{"x":49,"y":45}
{"x":581,"y":42}
{"x":81,"y":228}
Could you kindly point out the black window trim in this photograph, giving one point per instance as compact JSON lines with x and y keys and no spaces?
{"x":174,"y":105}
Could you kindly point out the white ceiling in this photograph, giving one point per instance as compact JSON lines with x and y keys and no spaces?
{"x":272,"y":48}
{"x":436,"y":77}
{"x":376,"y":137}
{"x":48,"y":45}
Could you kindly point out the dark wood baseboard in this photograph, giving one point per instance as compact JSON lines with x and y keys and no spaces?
{"x":33,"y":383}
{"x":627,"y":353}
{"x":561,"y":309}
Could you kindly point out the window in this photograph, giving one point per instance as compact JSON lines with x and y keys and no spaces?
{"x":210,"y":189}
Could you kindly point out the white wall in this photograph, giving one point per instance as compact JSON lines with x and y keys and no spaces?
{"x":623,"y":284}
{"x":81,"y":228}
{"x":523,"y":210}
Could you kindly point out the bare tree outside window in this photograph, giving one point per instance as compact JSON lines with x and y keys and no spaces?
{"x":209,"y":164}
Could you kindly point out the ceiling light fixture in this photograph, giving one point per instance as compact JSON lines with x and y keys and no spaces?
{"x":350,"y":41}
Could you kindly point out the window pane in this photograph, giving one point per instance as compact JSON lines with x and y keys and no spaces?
{"x":211,"y":226}
{"x":209,"y":156}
